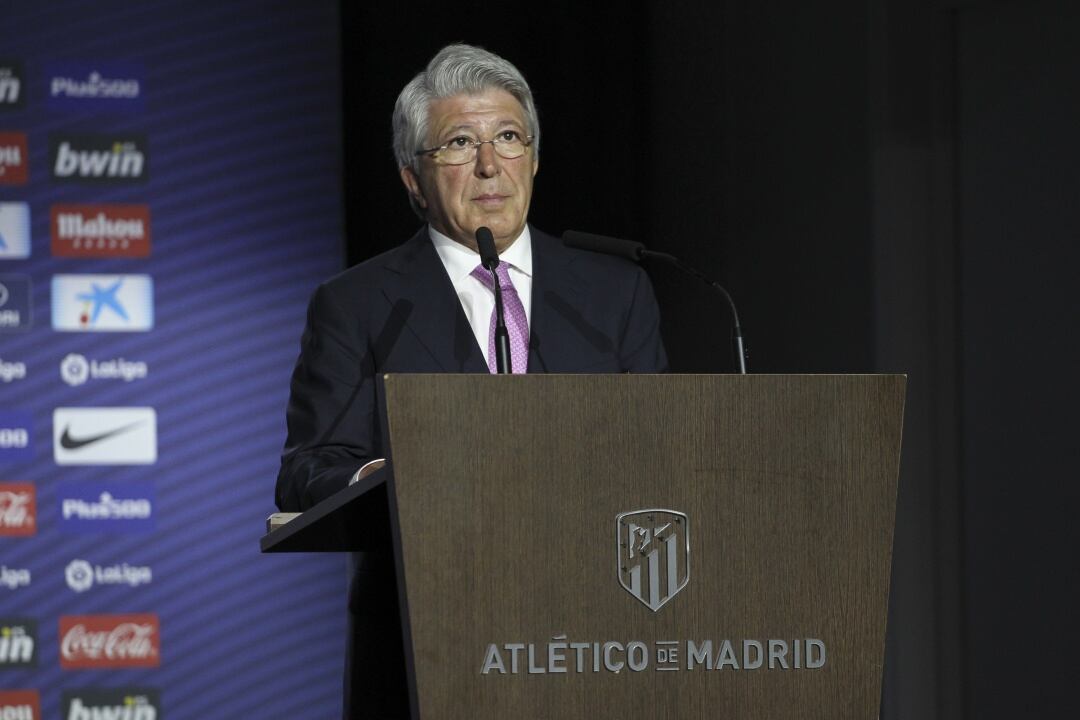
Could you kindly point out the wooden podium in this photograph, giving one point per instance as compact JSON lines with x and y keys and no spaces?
{"x":633,"y":546}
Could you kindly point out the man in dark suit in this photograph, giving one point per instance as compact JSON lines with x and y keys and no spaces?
{"x":466,"y":137}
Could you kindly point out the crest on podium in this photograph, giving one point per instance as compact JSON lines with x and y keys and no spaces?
{"x":653,"y":549}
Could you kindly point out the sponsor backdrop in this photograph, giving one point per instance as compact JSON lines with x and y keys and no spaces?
{"x":169,"y":197}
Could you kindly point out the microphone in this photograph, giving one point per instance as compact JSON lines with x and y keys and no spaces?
{"x":637,"y":252}
{"x":603,"y":244}
{"x":489,"y":258}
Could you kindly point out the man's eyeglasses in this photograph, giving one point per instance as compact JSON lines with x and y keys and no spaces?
{"x":508,"y":145}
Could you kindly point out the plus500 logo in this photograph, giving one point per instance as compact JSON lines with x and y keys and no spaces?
{"x":15,"y":438}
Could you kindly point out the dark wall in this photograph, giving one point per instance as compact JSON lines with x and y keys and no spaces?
{"x":1018,"y":72}
{"x":818,"y":159}
{"x":592,"y":98}
{"x":762,"y":178}
{"x":640,"y":113}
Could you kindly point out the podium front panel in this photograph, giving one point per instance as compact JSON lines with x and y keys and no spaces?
{"x":645,"y":546}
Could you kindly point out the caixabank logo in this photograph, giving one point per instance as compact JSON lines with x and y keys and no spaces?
{"x":20,"y":705}
{"x":141,"y":703}
{"x":14,"y":231}
{"x":113,"y":508}
{"x":18,"y":643}
{"x":109,"y":641}
{"x":18,"y":509}
{"x":12,"y":92}
{"x":96,"y":87}
{"x":99,"y":159}
{"x":14,"y":158}
{"x":102,"y":303}
{"x":84,"y":231}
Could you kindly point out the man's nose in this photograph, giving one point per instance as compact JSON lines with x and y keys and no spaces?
{"x":487,"y":160}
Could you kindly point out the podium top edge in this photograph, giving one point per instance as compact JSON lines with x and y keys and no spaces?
{"x":651,"y":375}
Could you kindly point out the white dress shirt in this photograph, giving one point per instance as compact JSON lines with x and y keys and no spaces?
{"x":476,"y":300}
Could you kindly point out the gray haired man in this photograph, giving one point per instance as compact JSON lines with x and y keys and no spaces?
{"x":466,"y":137}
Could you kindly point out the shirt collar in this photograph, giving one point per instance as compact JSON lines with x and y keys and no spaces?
{"x":460,"y":260}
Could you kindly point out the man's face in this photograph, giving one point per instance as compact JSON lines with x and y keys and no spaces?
{"x":490,"y":191}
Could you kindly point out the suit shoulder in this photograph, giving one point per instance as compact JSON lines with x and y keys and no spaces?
{"x":370,"y":273}
{"x":601,"y":262}
{"x":586,"y":262}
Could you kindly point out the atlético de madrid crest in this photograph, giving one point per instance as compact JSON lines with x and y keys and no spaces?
{"x":653,"y":551}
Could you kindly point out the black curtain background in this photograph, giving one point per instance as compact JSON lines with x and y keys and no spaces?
{"x":884,"y":186}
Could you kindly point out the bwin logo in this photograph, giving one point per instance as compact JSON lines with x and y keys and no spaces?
{"x":99,"y":159}
{"x":111,"y":704}
{"x":124,"y":160}
{"x":18,"y":643}
{"x":11,"y":85}
{"x":10,"y":89}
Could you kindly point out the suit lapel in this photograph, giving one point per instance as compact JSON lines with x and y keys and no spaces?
{"x":418,"y":287}
{"x":555,"y":288}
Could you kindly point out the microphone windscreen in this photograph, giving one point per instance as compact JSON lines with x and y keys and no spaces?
{"x":485,"y":243}
{"x":603,"y":244}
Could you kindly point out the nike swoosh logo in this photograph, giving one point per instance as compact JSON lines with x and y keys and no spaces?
{"x":70,"y":443}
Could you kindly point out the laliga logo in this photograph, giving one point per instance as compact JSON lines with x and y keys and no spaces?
{"x":653,"y":554}
{"x":79,"y":575}
{"x":11,"y":371}
{"x":13,"y":578}
{"x":74,"y":369}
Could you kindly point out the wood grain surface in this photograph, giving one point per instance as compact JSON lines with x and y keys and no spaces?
{"x":507,"y":490}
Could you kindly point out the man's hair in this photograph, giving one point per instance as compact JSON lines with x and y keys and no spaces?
{"x":455,"y":70}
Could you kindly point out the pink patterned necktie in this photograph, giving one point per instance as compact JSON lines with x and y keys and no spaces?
{"x":517,"y":325}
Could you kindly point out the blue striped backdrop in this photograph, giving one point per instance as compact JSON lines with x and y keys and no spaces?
{"x":242,"y":119}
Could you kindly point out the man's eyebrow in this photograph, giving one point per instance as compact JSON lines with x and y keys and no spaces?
{"x":456,"y":128}
{"x":472,"y":126}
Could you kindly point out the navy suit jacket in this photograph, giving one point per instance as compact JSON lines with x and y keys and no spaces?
{"x":398,"y":312}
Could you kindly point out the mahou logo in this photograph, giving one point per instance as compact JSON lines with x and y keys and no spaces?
{"x":20,"y":705}
{"x":14,"y":158}
{"x":99,"y":158}
{"x":80,"y":231}
{"x":18,"y":510}
{"x":109,"y":641}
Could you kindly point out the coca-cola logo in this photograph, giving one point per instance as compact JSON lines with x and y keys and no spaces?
{"x":18,"y":511}
{"x":109,"y":641}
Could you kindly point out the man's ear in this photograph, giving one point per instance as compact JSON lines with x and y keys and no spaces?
{"x":412,"y":184}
